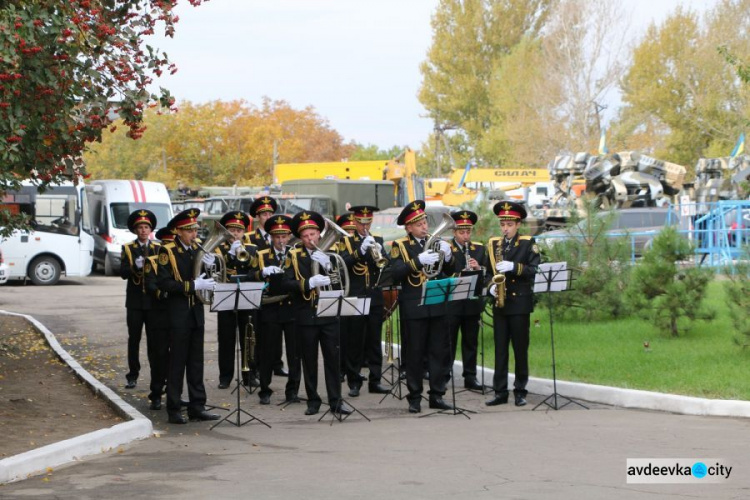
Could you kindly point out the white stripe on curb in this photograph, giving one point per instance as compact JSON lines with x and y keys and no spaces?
{"x":625,"y":398}
{"x":38,"y":460}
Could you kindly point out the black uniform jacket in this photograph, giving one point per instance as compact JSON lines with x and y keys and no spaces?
{"x":175,"y":280}
{"x":135,"y":291}
{"x":363,"y":273}
{"x":257,"y":239}
{"x":296,"y":282}
{"x":478,"y":252}
{"x":277,"y":311}
{"x":519,"y":282}
{"x":407,"y":271}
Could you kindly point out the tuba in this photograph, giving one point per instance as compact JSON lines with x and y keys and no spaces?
{"x":218,"y":271}
{"x":339,"y":274}
{"x":433,"y":243}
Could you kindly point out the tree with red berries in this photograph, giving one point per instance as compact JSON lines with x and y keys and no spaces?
{"x":68,"y":69}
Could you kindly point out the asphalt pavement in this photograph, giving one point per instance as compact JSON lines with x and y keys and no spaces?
{"x":500,"y":452}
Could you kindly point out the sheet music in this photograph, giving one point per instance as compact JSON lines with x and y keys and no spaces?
{"x":247,"y":296}
{"x":552,"y":277}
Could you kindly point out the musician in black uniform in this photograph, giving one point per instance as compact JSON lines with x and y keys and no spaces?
{"x":261,"y":210}
{"x":158,"y":343}
{"x":303,"y":286}
{"x":241,"y":260}
{"x":517,"y":257}
{"x":363,"y":333}
{"x":186,"y":320}
{"x":346,"y":222}
{"x":137,"y":301}
{"x":277,"y":314}
{"x":424,"y":325}
{"x":470,"y":259}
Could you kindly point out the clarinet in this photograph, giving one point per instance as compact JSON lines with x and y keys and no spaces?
{"x":467,"y":256}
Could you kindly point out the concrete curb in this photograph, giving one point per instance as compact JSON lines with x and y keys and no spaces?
{"x":36,"y":461}
{"x":626,"y":398}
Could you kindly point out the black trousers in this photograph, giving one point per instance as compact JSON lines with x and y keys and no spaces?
{"x":363,"y":345}
{"x":157,"y":343}
{"x":186,"y":361}
{"x":136,"y":319}
{"x":469,"y":326}
{"x":228,"y":327}
{"x":513,"y":329}
{"x":426,"y":337}
{"x":327,"y":337}
{"x":270,"y":352}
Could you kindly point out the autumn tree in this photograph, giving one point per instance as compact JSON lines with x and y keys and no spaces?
{"x":67,"y":69}
{"x":682,"y":89}
{"x":470,"y":37}
{"x":219,"y":143}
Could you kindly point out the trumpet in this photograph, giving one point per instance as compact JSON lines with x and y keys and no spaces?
{"x":242,"y":254}
{"x":248,"y":354}
{"x":377,"y":257}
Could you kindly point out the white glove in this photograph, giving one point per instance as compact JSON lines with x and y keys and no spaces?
{"x":366,"y":244}
{"x":201,"y":283}
{"x":321,"y":259}
{"x":446,"y":249}
{"x":493,"y":290}
{"x":139,"y":262}
{"x":428,"y":258}
{"x":380,"y":247}
{"x":319,"y":280}
{"x":269,"y":270}
{"x":208,"y":259}
{"x":235,"y":245}
{"x":504,"y":266}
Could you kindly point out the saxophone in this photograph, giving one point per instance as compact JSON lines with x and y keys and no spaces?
{"x":498,"y":279}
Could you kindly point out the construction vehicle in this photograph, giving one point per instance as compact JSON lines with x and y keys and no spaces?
{"x":333,"y":197}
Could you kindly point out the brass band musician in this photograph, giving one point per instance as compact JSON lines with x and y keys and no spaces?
{"x":516,"y":257}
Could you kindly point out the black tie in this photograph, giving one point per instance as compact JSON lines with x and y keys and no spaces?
{"x":421,"y":243}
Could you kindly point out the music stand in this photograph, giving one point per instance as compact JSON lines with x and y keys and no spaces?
{"x":551,"y":278}
{"x":237,"y":297}
{"x":479,"y":294}
{"x":441,"y":292}
{"x":333,"y":304}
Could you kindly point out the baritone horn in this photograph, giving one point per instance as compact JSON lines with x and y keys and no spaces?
{"x":433,"y":243}
{"x":377,"y":257}
{"x":218,"y":271}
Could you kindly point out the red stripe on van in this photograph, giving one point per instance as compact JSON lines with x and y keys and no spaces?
{"x":135,"y":191}
{"x":143,"y":191}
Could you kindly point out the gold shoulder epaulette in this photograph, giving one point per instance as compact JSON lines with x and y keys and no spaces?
{"x":526,"y":237}
{"x":265,"y":251}
{"x":169,"y":245}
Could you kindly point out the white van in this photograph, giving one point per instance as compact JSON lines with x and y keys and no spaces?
{"x":110,"y":204}
{"x":59,"y":240}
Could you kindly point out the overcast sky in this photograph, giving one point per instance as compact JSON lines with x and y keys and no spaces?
{"x":355,"y":61}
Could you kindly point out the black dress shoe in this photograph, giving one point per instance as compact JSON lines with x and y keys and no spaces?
{"x":203,"y":415}
{"x":472,"y":384}
{"x":415,"y":407}
{"x":402,"y":375}
{"x":497,"y":400}
{"x":223,"y":385}
{"x":520,"y":400}
{"x":439,"y":404}
{"x":265,"y":399}
{"x":292,"y":399}
{"x":155,"y":404}
{"x":311,"y":410}
{"x":361,"y":377}
{"x":177,"y":418}
{"x":131,"y":384}
{"x":354,"y":392}
{"x":280,"y":372}
{"x":342,"y":409}
{"x":378,"y":389}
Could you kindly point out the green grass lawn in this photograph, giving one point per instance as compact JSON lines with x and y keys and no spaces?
{"x":704,"y":362}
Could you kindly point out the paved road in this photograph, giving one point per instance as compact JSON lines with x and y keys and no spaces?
{"x":498,"y":453}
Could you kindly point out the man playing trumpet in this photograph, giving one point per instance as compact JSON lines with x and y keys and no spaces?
{"x":517,"y":258}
